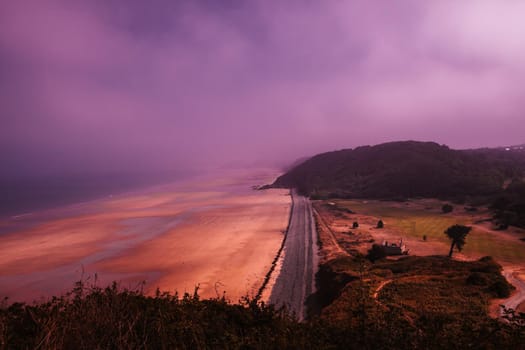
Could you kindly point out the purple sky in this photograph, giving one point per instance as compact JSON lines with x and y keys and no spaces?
{"x":123,"y":85}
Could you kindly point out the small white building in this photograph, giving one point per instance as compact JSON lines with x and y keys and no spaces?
{"x":395,"y":248}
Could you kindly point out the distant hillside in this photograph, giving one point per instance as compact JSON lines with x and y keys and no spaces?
{"x":405,"y":169}
{"x":514,"y":148}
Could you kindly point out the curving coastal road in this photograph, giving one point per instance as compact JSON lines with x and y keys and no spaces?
{"x":518,"y":296}
{"x":299,"y":260}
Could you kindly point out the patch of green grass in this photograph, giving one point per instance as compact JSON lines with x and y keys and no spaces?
{"x":413,"y":222}
{"x":375,"y":208}
{"x":418,"y":222}
{"x":483,"y":243}
{"x":432,"y":226}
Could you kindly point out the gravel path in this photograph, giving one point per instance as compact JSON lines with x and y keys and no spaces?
{"x":296,"y":280}
{"x":518,"y":296}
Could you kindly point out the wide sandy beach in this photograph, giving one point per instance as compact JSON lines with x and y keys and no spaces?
{"x":214,"y":232}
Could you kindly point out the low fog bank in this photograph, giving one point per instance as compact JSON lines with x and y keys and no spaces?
{"x":21,"y":195}
{"x":164,"y":87}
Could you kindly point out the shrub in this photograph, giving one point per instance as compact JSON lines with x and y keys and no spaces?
{"x":377,"y":252}
{"x":112,"y":318}
{"x":447,"y":208}
{"x":500,"y":288}
{"x":477,"y":279}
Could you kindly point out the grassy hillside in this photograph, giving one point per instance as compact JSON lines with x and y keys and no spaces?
{"x":110,"y":318}
{"x":413,"y":219}
{"x":417,"y":302}
{"x":405,"y":169}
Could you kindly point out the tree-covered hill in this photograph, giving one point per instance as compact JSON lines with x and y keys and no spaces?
{"x":405,"y":169}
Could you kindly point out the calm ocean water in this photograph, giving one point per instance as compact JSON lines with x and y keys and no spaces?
{"x":22,"y":196}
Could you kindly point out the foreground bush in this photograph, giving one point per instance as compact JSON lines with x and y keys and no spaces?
{"x":112,"y":318}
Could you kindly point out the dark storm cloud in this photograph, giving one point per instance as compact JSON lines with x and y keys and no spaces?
{"x":124,"y":85}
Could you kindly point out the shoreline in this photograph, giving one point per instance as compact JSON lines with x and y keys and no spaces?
{"x":175,"y":240}
{"x":270,"y":278}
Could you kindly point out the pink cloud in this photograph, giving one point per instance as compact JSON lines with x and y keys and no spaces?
{"x":112,"y":84}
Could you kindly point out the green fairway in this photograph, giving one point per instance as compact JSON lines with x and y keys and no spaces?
{"x":415,"y":223}
{"x":503,"y":250}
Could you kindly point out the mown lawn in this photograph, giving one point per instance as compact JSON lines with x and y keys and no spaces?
{"x":418,"y":222}
{"x":504,"y":250}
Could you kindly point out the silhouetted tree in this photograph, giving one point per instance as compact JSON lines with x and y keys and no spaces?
{"x":380,"y":224}
{"x":457,"y":234}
